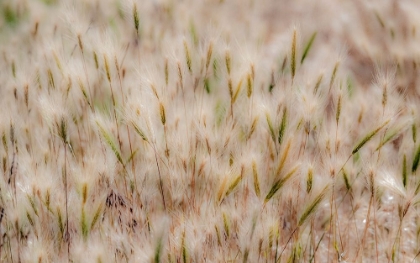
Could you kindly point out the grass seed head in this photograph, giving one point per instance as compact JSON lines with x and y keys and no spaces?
{"x":230,"y":87}
{"x":404,"y":171}
{"x":367,"y":138}
{"x":338,"y":111}
{"x":95,"y":58}
{"x":416,"y":160}
{"x":283,"y":125}
{"x":187,"y":56}
{"x":309,"y":180}
{"x":293,"y":55}
{"x":237,"y":90}
{"x":96,"y":216}
{"x":83,"y":224}
{"x":162,"y":113}
{"x":318,"y":83}
{"x":63,"y":130}
{"x":249,"y":85}
{"x":256,"y":180}
{"x":280,"y":183}
{"x":283,"y":158}
{"x":334,"y":73}
{"x":228,"y":61}
{"x":312,"y":207}
{"x":106,"y":65}
{"x":166,"y":72}
{"x":209,"y":55}
{"x":308,"y":47}
{"x":253,"y":126}
{"x":136,"y":19}
{"x":270,"y":127}
{"x":79,"y":41}
{"x":110,"y":142}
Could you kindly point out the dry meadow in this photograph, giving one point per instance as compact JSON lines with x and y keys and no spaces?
{"x":209,"y":131}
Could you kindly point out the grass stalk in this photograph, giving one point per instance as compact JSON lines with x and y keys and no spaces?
{"x":63,"y":135}
{"x":114,"y":104}
{"x":117,"y":67}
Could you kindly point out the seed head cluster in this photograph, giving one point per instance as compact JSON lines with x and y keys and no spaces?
{"x":209,"y":131}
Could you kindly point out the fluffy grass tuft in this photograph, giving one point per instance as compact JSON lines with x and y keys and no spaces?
{"x":254,"y":139}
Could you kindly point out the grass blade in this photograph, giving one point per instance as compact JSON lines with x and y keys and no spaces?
{"x":308,"y":47}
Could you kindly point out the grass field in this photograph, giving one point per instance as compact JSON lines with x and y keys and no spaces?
{"x":209,"y":131}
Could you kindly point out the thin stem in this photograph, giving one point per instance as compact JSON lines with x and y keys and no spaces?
{"x":67,"y":235}
{"x":160,"y":180}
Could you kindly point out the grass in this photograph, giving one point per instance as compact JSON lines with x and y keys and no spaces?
{"x":188,"y":131}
